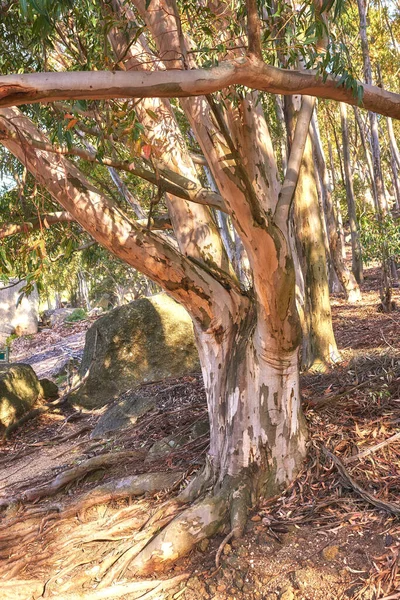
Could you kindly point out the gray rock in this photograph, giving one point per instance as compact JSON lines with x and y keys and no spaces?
{"x":59,"y":316}
{"x":170,"y":443}
{"x":48,"y":389}
{"x":165,"y":446}
{"x":122,"y":415}
{"x":19,"y":391}
{"x":147,"y":340}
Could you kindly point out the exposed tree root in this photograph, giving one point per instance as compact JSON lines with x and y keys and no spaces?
{"x":115,"y":566}
{"x":21,"y":589}
{"x":389,"y":507}
{"x":201,"y":520}
{"x":140,"y":542}
{"x":145,"y":590}
{"x":199,"y":484}
{"x":222,"y":545}
{"x":62,"y":479}
{"x":126,"y":520}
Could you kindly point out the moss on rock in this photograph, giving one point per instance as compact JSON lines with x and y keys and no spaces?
{"x":146,"y":340}
{"x":19,"y":391}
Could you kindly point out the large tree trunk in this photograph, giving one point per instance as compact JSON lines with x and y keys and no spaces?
{"x":257,"y":433}
{"x":394,"y":162}
{"x":257,"y":429}
{"x":319,"y":345}
{"x":367,"y":153}
{"x":382,"y":206}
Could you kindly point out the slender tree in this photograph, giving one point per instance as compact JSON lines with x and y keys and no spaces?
{"x":351,"y":203}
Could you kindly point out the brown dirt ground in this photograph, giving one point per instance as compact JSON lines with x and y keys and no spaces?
{"x":318,"y":540}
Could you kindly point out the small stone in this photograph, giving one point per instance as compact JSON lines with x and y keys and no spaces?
{"x":288,"y":594}
{"x":256,"y":518}
{"x":221,"y":587}
{"x":203,"y":545}
{"x":330,"y":552}
{"x":193,"y":583}
{"x":233,"y":561}
{"x":227,"y":549}
{"x":389,"y":540}
{"x":239,"y":582}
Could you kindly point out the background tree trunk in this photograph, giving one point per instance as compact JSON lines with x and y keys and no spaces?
{"x":344,"y":275}
{"x":319,"y":345}
{"x":351,"y":203}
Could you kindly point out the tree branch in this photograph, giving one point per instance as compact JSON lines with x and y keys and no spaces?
{"x":187,"y":282}
{"x":286,"y":194}
{"x":250,"y":71}
{"x":33,"y":225}
{"x":253,"y":29}
{"x":158,"y":223}
{"x":182,"y":188}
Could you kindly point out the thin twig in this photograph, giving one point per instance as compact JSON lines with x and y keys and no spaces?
{"x":372,"y":449}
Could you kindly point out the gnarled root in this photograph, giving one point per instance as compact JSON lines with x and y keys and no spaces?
{"x":202,"y":520}
{"x":137,"y":541}
{"x":153,"y":587}
{"x":70,"y":475}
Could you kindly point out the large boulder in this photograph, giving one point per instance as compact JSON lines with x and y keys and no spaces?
{"x":18,"y":313}
{"x":146,"y":340}
{"x":19,"y":391}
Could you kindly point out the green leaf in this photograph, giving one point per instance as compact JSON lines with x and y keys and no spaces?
{"x":24,"y":7}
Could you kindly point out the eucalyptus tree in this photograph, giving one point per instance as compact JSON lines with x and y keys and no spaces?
{"x":248,"y":337}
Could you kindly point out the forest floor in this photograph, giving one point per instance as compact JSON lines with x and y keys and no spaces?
{"x":326,"y":537}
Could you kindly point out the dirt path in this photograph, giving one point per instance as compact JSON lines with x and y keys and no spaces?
{"x":50,"y":351}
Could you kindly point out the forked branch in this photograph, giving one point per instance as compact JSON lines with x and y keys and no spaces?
{"x":187,"y":282}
